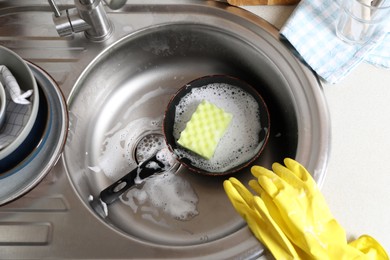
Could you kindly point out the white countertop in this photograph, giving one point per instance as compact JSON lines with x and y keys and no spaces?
{"x":357,"y":184}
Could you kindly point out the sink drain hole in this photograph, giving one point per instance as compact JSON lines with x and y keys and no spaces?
{"x":150,"y":144}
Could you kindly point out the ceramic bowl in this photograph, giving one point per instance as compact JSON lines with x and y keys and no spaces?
{"x":2,"y":105}
{"x":22,"y":73}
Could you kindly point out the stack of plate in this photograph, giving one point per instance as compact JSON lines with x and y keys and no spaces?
{"x":32,"y":135}
{"x":19,"y":126}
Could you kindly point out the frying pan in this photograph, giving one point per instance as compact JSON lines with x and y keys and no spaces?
{"x":219,"y":83}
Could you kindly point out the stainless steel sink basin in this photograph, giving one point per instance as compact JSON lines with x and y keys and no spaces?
{"x":127,"y":81}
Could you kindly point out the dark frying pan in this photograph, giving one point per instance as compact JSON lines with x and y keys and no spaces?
{"x":111,"y":193}
{"x":218,"y":84}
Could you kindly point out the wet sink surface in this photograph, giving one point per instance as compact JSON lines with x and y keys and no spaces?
{"x":129,"y":79}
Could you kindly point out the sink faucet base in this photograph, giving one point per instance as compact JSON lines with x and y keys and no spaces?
{"x":87,"y":16}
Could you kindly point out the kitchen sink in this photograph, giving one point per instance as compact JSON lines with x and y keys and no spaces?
{"x":125,"y":83}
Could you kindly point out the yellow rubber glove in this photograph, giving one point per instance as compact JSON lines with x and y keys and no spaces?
{"x":299,"y":209}
{"x":370,"y":247}
{"x":254,"y":212}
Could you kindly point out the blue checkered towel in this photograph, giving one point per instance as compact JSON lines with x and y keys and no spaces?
{"x":311,"y":30}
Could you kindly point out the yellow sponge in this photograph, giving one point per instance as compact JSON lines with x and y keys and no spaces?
{"x":204,"y":130}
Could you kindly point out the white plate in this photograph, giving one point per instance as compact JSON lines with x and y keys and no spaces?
{"x":16,"y":133}
{"x":26,"y":175}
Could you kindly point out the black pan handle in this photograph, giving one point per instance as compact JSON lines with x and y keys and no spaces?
{"x":112,"y":192}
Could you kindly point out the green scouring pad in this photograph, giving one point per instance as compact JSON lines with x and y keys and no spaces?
{"x":205,"y":129}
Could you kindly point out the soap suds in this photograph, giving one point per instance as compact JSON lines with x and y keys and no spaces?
{"x":116,"y":157}
{"x":241,"y":141}
{"x":169,"y":193}
{"x":165,"y":193}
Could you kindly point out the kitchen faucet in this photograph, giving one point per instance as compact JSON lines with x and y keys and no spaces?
{"x":87,"y":16}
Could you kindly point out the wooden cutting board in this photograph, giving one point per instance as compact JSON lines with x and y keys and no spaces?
{"x":262,"y":2}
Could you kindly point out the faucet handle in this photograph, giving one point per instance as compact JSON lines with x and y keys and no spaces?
{"x":67,"y":22}
{"x":54,"y":7}
{"x":87,"y":16}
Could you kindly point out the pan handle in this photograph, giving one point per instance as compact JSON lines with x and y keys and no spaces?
{"x":144,"y":170}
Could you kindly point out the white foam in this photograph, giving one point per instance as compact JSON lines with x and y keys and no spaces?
{"x":166,"y":157}
{"x":241,"y":140}
{"x":116,"y":157}
{"x":168,"y":193}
